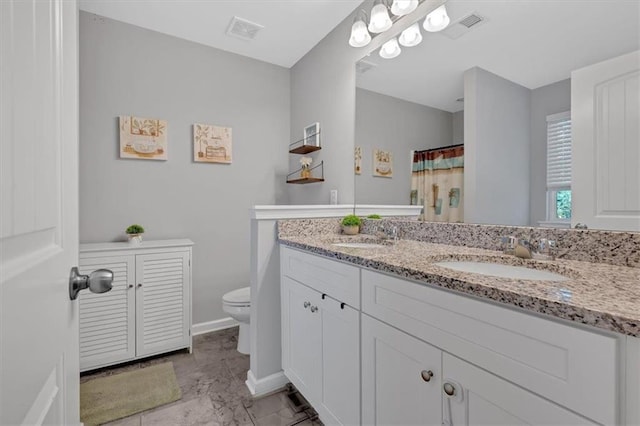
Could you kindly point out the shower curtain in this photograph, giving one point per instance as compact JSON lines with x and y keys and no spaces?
{"x":436,"y":183}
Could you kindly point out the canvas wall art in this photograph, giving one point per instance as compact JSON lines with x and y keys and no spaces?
{"x":143,"y":138}
{"x":211,"y":144}
{"x":382,"y":163}
{"x":358,"y":160}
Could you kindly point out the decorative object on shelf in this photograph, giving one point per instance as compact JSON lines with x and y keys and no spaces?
{"x":305,"y":173}
{"x":299,"y":175}
{"x":351,"y":224}
{"x":212,"y":144}
{"x":143,"y":138}
{"x":134,"y":232}
{"x":311,"y":134}
{"x":362,"y":32}
{"x":358,"y":160}
{"x":382,"y":163}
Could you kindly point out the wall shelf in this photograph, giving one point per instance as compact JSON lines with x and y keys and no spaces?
{"x":304,"y":145}
{"x":296,"y":178}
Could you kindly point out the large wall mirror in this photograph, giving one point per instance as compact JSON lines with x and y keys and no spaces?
{"x":494,"y":83}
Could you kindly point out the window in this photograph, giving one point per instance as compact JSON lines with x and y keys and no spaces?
{"x":559,"y":167}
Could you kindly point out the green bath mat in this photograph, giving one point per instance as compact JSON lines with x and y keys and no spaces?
{"x":113,"y":397}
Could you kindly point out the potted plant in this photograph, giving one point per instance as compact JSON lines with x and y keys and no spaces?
{"x":374,"y":216}
{"x":351,"y":224}
{"x":135,"y":233}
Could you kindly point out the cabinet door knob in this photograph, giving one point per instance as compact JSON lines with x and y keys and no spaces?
{"x":139,"y":285}
{"x":449,"y":389}
{"x":130,"y":285}
{"x":426,"y":375}
{"x":314,"y":309}
{"x":307,"y":304}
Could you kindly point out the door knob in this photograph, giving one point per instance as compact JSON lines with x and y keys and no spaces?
{"x":426,"y":375}
{"x":314,"y":309}
{"x":306,"y":304}
{"x":99,"y":281}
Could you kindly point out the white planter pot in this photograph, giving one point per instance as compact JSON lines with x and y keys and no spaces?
{"x":135,"y":239}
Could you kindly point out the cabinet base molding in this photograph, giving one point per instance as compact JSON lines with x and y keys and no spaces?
{"x":210,"y":326}
{"x":266,"y":385}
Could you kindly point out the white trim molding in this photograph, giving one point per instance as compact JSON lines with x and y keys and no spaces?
{"x":209,"y":326}
{"x":266,"y":385}
{"x":329,"y":210}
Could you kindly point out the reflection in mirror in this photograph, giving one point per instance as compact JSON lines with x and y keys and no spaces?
{"x":493,"y":81}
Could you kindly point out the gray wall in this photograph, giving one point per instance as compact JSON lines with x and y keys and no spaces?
{"x":497,"y":138}
{"x":323,"y":90}
{"x":398,"y":126}
{"x":128,"y":70}
{"x":545,"y":100}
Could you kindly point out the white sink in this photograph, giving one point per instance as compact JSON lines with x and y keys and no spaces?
{"x":503,"y":271}
{"x":359,"y":245}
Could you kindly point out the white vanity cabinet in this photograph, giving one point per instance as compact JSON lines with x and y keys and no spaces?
{"x":148,"y":310}
{"x":321,"y":334}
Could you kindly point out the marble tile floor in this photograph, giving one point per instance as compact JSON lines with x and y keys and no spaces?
{"x":213,"y":391}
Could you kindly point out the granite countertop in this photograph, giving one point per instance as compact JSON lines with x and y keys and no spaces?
{"x":596,"y":294}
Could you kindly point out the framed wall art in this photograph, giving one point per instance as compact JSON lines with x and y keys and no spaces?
{"x":143,"y":138}
{"x":382,"y":163}
{"x":212,"y":144}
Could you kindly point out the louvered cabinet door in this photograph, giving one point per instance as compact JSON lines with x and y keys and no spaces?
{"x":163,"y":316}
{"x":107,"y":320}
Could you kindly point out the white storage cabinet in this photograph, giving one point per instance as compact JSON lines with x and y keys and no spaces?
{"x":321,"y":333}
{"x":148,"y":310}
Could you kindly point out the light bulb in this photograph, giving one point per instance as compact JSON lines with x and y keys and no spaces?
{"x":359,"y":35}
{"x":411,"y":36}
{"x":437,"y":20}
{"x":403,"y":7}
{"x":380,"y":20}
{"x":390,"y":49}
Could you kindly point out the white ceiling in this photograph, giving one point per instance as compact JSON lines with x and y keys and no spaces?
{"x":533,"y":43}
{"x":291,"y":27}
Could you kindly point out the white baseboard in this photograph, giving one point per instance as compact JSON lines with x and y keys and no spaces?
{"x":209,"y":326}
{"x":266,"y":385}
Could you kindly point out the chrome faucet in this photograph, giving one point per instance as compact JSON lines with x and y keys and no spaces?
{"x":388,"y":233}
{"x":525,"y":249}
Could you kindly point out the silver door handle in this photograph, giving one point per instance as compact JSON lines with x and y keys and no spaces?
{"x":99,"y":281}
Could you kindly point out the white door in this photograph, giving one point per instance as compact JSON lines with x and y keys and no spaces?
{"x":39,"y":379}
{"x":480,"y":398}
{"x":340,"y":362}
{"x":163,"y":317}
{"x":302,"y":338}
{"x":605,"y":115}
{"x":401,"y":377}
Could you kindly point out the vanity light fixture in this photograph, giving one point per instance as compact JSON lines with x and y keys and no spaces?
{"x":411,"y":36}
{"x":360,"y":36}
{"x":390,"y":49}
{"x":437,"y":20}
{"x":403,"y":7}
{"x":380,"y":20}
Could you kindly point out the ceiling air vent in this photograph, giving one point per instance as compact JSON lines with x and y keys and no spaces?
{"x":464,"y":25}
{"x":363,"y":66}
{"x":243,"y":29}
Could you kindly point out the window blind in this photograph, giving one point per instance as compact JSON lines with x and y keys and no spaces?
{"x":559,"y":150}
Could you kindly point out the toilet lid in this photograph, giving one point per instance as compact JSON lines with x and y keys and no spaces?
{"x":240,"y":296}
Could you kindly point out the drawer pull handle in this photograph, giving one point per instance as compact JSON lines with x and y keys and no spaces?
{"x":314,"y":309}
{"x":307,"y":304}
{"x":449,"y":389}
{"x":426,"y":375}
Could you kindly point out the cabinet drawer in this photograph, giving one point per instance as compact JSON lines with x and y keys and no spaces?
{"x":338,"y":280}
{"x":571,"y":366}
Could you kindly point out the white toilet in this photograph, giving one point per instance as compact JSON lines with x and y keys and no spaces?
{"x":237,"y":304}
